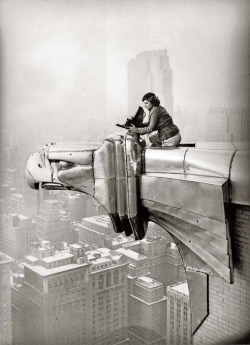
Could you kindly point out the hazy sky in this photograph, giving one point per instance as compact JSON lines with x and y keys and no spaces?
{"x":67,"y":60}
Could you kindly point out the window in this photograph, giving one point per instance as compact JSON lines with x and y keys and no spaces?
{"x":116,"y":277}
{"x":100,"y":281}
{"x":108,"y":279}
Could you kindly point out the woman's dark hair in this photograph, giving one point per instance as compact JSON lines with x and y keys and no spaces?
{"x":152,"y":98}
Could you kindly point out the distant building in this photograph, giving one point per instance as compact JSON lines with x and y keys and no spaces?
{"x":147,"y":312}
{"x":18,"y":234}
{"x":228,"y":124}
{"x":120,"y":241}
{"x":174,"y":265}
{"x":163,"y":259}
{"x":17,"y":309}
{"x":76,"y":207}
{"x":138,"y":263}
{"x":5,"y":300}
{"x":15,"y":204}
{"x":179,"y":330}
{"x":96,"y":230}
{"x":150,"y":71}
{"x":13,"y":178}
{"x":52,"y":223}
{"x":74,"y":296}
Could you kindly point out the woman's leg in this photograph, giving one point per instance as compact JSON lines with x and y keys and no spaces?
{"x":174,"y":141}
{"x":154,"y":139}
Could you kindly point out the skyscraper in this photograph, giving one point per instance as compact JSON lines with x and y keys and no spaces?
{"x":17,"y":309}
{"x":50,"y":223}
{"x":150,"y":71}
{"x":147,"y":312}
{"x":95,"y":230}
{"x":174,"y":265}
{"x":228,"y":124}
{"x":74,"y":296}
{"x":18,"y":232}
{"x":5,"y":300}
{"x":178,"y":315}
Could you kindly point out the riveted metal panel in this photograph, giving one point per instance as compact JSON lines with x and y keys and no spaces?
{"x":71,"y":155}
{"x":201,"y":198}
{"x":132,"y":197}
{"x":81,"y":177}
{"x":105,"y":193}
{"x":240,"y":178}
{"x":165,"y":160}
{"x":211,"y":225}
{"x":192,"y":261}
{"x":221,"y":269}
{"x":120,"y":179}
{"x":194,"y":235}
{"x":133,"y":158}
{"x":208,"y":162}
{"x":195,"y":228}
{"x":104,"y":161}
{"x":198,"y":290}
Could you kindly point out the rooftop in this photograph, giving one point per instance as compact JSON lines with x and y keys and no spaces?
{"x":182,"y":288}
{"x":148,"y":282}
{"x":132,"y":254}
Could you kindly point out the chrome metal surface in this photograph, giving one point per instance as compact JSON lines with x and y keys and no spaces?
{"x":196,"y":197}
{"x":184,"y":190}
{"x":165,"y":161}
{"x":198,"y":290}
{"x":240,"y":178}
{"x":81,"y":177}
{"x":208,"y":162}
{"x":218,"y":262}
{"x":211,"y":225}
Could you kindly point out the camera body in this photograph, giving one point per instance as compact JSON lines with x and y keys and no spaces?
{"x":135,"y":120}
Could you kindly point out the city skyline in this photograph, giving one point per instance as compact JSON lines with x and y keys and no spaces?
{"x":55,"y":72}
{"x":66,"y":76}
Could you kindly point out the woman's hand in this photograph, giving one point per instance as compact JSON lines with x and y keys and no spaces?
{"x":133,"y":129}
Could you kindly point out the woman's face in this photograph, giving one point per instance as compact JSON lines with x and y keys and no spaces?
{"x":148,"y":105}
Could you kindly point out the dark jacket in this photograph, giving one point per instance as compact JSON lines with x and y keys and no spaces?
{"x":161,"y":121}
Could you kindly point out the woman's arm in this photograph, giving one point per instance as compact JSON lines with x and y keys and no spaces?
{"x":151,"y":125}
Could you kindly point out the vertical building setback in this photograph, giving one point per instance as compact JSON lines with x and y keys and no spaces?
{"x":150,"y":71}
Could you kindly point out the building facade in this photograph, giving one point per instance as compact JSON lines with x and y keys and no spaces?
{"x":95,"y":230}
{"x":5,"y":300}
{"x":52,"y":223}
{"x":150,"y":71}
{"x":147,"y":312}
{"x":74,"y":296}
{"x":18,"y":234}
{"x":179,"y":330}
{"x":228,"y":124}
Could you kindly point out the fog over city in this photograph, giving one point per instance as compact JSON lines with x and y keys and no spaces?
{"x":64,"y":63}
{"x":116,"y":242}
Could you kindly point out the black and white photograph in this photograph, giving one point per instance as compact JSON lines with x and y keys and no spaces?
{"x":124,"y":172}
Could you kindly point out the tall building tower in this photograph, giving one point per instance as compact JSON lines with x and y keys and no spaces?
{"x":5,"y":300}
{"x":178,"y":315}
{"x":18,"y":234}
{"x":17,"y":309}
{"x":50,"y":223}
{"x":174,"y":265}
{"x":74,"y":296}
{"x":150,"y":71}
{"x":147,"y":312}
{"x":228,"y":124}
{"x":15,"y":204}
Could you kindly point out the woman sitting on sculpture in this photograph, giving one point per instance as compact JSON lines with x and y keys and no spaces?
{"x":168,"y":134}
